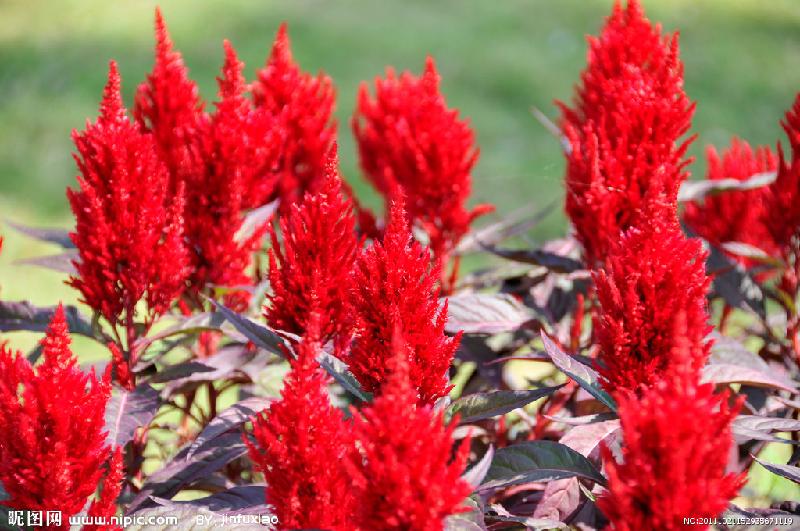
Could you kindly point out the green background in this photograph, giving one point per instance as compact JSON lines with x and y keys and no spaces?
{"x":497,"y":59}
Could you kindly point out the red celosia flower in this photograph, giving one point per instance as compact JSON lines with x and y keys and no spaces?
{"x":306,"y":103}
{"x":408,"y":480}
{"x":169,"y":106}
{"x":630,"y":112}
{"x":52,"y":443}
{"x":409,"y":139}
{"x":130,"y":241}
{"x":311,"y":275}
{"x":677,"y":440}
{"x":652,"y":272}
{"x":105,"y":506}
{"x":395,"y":290}
{"x":782,"y":215}
{"x":302,"y":444}
{"x":241,"y":149}
{"x":735,"y":216}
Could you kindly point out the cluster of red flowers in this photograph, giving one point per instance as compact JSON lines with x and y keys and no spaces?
{"x":735,"y":216}
{"x":52,"y":439}
{"x":306,"y":105}
{"x":312,"y":274}
{"x":395,"y":293}
{"x":302,"y":443}
{"x":624,"y":131}
{"x":623,"y":175}
{"x":411,"y":143}
{"x":130,"y":240}
{"x":677,"y":443}
{"x":389,"y":467}
{"x":652,"y":272}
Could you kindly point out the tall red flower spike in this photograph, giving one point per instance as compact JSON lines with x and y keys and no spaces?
{"x":624,"y":130}
{"x":241,"y":150}
{"x":306,"y":103}
{"x":395,"y":292}
{"x":672,"y":468}
{"x":652,"y":272}
{"x":408,"y":479}
{"x":409,"y":140}
{"x":782,"y":216}
{"x":301,"y":443}
{"x":169,"y":106}
{"x":738,"y":215}
{"x":52,"y":438}
{"x":105,"y":506}
{"x":312,"y":274}
{"x":129,"y":240}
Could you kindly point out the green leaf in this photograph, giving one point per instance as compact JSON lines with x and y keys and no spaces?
{"x":260,"y":335}
{"x":536,"y":461}
{"x":481,"y":406}
{"x":582,"y":374}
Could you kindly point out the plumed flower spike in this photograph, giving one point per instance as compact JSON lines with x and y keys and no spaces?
{"x":52,"y":443}
{"x":671,"y":468}
{"x":409,"y":140}
{"x":301,"y":443}
{"x":782,"y":215}
{"x":240,"y":149}
{"x":738,"y":215}
{"x":306,"y":103}
{"x":624,"y":130}
{"x":394,"y":292}
{"x":651,"y":273}
{"x":408,"y":478}
{"x":130,"y":242}
{"x":312,"y":273}
{"x":169,"y":106}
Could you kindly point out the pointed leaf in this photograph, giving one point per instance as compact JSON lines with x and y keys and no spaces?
{"x":585,"y":438}
{"x":49,"y":235}
{"x":538,"y":461}
{"x":479,"y":406}
{"x":22,"y":315}
{"x":183,"y":470}
{"x":789,"y":472}
{"x":231,"y":418}
{"x":338,"y":370}
{"x":696,"y":190}
{"x":481,"y":313}
{"x":583,"y":375}
{"x":255,"y":221}
{"x":62,"y":263}
{"x":260,"y":335}
{"x":128,"y":410}
{"x":475,"y":475}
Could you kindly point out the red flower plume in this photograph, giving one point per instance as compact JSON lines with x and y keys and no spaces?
{"x":130,"y":241}
{"x":624,"y":130}
{"x":407,"y":476}
{"x":409,"y":139}
{"x":782,"y":215}
{"x":395,"y":292}
{"x":311,"y":275}
{"x":240,"y":150}
{"x":169,"y":106}
{"x":735,"y":216}
{"x":301,"y":445}
{"x":52,"y":443}
{"x":648,"y":276}
{"x":677,"y":440}
{"x":306,"y":103}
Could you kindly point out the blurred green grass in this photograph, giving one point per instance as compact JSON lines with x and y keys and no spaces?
{"x":496,"y":58}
